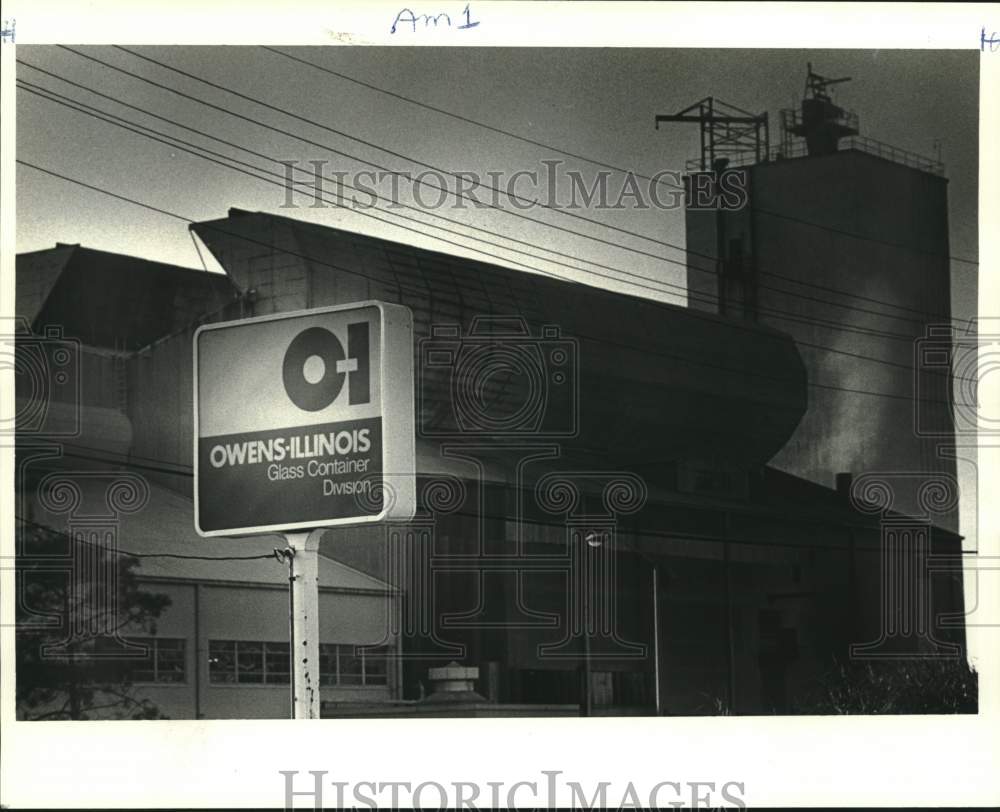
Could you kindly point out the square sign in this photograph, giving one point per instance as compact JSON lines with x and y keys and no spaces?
{"x":304,"y":420}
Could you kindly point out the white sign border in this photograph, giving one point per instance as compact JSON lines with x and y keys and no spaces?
{"x":397,"y":411}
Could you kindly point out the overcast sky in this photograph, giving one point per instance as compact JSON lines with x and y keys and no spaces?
{"x":598,"y":103}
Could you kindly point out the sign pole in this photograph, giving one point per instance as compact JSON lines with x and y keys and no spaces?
{"x":304,"y":620}
{"x":296,"y":416}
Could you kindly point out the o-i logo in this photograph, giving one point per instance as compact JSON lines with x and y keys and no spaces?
{"x":316,"y":366}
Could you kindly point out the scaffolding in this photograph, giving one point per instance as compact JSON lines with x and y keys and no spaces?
{"x":732,"y":137}
{"x":728,"y":133}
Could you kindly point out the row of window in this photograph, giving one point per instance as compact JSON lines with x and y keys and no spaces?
{"x":252,"y":663}
{"x":242,"y":662}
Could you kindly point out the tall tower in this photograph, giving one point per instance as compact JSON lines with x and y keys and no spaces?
{"x":842,"y":242}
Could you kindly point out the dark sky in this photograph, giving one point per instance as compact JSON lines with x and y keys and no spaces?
{"x":599,"y":103}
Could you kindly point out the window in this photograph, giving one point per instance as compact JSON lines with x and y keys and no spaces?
{"x":247,"y":662}
{"x":222,"y":661}
{"x":276,"y":663}
{"x":250,"y":663}
{"x":243,"y":662}
{"x":166,"y":660}
{"x":347,"y":664}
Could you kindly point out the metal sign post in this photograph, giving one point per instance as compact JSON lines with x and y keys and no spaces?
{"x":303,"y":577}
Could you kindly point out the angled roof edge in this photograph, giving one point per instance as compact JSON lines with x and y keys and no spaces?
{"x":293,"y":223}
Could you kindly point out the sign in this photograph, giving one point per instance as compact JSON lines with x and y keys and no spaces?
{"x":304,"y":420}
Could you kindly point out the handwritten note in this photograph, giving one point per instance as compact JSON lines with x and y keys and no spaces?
{"x":992,"y":41}
{"x":7,"y":32}
{"x":416,"y":22}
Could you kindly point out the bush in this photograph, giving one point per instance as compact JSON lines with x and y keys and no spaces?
{"x":897,"y":686}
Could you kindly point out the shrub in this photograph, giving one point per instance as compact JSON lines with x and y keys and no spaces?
{"x":919,"y":685}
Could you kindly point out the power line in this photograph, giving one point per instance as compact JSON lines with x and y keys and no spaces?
{"x":682,"y":359}
{"x":107,"y":192}
{"x":34,"y":88}
{"x":492,"y":188}
{"x":175,"y":144}
{"x":804,"y":343}
{"x":692,"y":295}
{"x":131,"y":126}
{"x":191,"y":221}
{"x":117,"y":121}
{"x":349,"y":155}
{"x":710,"y":257}
{"x":458,"y":195}
{"x":604,"y":340}
{"x":600,"y":163}
{"x":780,"y":314}
{"x":373,"y":145}
{"x":131,"y":554}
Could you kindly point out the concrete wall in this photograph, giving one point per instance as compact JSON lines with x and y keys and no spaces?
{"x":904,"y":213}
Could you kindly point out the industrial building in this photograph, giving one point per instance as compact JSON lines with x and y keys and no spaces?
{"x":221,"y":647}
{"x":843,"y":242}
{"x":625,"y":507}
